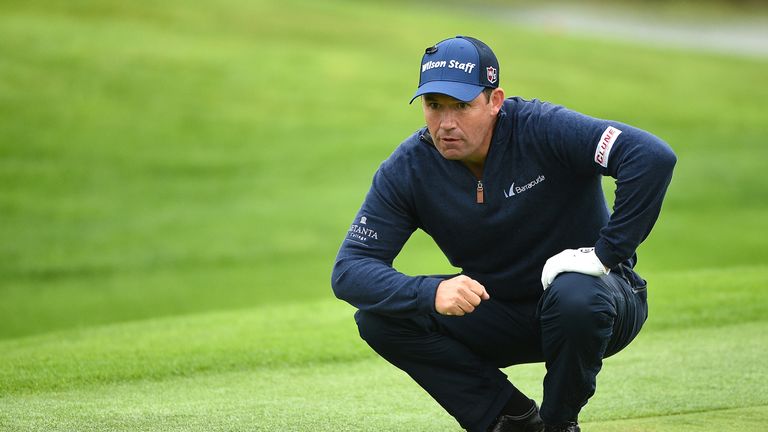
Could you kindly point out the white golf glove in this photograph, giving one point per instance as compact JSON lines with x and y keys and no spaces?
{"x":582,"y":260}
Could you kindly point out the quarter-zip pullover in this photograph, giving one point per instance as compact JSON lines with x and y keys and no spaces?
{"x":541,"y":193}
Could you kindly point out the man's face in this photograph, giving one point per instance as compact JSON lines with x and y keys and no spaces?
{"x":461,"y":130}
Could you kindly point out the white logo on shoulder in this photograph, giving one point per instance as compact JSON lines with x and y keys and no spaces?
{"x":603,"y":150}
{"x":359,"y":233}
{"x":520,"y":189}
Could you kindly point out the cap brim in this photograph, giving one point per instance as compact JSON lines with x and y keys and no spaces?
{"x":457,"y":90}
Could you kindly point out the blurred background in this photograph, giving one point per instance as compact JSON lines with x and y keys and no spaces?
{"x":161,"y":159}
{"x":176,"y":178}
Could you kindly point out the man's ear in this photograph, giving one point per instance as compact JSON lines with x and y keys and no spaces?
{"x":497,"y":99}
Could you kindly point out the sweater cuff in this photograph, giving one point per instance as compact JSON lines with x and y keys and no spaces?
{"x":606,"y":254}
{"x":426,"y":294}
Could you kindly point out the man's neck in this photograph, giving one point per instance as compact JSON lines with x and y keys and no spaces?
{"x":475,"y":167}
{"x":477,"y":163}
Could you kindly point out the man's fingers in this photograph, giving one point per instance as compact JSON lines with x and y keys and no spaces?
{"x":475,"y":286}
{"x":472,"y":294}
{"x":465,"y":306}
{"x":459,"y":296}
{"x":480,"y":291}
{"x":471,"y":298}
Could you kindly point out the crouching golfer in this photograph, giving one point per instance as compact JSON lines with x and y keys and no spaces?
{"x":510,"y":190}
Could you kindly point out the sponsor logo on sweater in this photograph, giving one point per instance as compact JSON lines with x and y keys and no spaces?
{"x":514,"y":190}
{"x":360,"y":233}
{"x":603,"y":150}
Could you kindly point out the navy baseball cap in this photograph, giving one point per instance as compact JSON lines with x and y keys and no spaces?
{"x":459,"y":67}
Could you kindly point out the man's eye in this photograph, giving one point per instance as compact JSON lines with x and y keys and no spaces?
{"x":463,"y":105}
{"x":433,"y":105}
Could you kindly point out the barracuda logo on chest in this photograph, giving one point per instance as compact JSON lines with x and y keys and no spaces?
{"x":514,"y":190}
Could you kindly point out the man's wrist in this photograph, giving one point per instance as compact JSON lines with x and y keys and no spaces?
{"x":427,"y":293}
{"x":605,"y":254}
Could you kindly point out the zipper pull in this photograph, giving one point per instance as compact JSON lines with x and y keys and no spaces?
{"x":480,"y":195}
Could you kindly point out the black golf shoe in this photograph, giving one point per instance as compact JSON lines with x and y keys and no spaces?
{"x":529,"y":422}
{"x":567,"y":427}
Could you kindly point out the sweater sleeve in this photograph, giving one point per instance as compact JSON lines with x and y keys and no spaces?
{"x":641,"y":163}
{"x":363,"y":274}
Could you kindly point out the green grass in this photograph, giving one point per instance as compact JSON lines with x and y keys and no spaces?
{"x":175,"y":180}
{"x":213,"y":372}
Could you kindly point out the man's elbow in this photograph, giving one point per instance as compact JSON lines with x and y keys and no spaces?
{"x":663,"y":159}
{"x":338,"y":280}
{"x":669,"y":158}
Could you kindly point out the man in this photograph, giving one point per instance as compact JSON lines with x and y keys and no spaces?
{"x":510,"y":190}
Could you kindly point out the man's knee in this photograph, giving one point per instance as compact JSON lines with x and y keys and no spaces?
{"x":370,"y":326}
{"x":385,"y":333}
{"x":577,"y":300}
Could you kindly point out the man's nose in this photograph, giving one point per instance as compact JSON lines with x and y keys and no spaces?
{"x":448,"y":119}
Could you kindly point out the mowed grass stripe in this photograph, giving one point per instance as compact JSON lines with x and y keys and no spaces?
{"x":263,"y":337}
{"x":707,"y":297}
{"x":324,"y":332}
{"x":328,"y":397}
{"x":748,"y":419}
{"x":662,"y":374}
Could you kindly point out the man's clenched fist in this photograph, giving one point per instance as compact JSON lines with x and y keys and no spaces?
{"x":459,"y":295}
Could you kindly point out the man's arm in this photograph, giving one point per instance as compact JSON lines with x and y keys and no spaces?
{"x":641,"y":163}
{"x":363,"y":274}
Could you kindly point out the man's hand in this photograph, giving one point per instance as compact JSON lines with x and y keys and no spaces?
{"x":581,"y":260}
{"x":459,"y":295}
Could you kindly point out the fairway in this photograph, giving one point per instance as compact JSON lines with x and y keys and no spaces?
{"x":176,"y":178}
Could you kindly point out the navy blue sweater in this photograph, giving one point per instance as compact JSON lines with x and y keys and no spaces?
{"x":542,"y":194}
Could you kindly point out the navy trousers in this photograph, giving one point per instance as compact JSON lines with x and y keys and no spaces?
{"x":577,"y":322}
